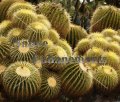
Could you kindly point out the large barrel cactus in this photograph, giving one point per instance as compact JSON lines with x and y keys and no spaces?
{"x":4,"y":6}
{"x":76,"y":33}
{"x":57,"y":15}
{"x":105,"y":17}
{"x":21,"y":81}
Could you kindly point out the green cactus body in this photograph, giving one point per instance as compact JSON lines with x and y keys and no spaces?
{"x":36,"y":32}
{"x":112,"y":59}
{"x":2,"y":69}
{"x":41,"y":17}
{"x":44,"y":47}
{"x":106,"y":79}
{"x":4,"y":6}
{"x":4,"y":48}
{"x":100,"y":43}
{"x":54,"y":36}
{"x":18,"y":6}
{"x":105,"y":17}
{"x":57,"y":15}
{"x":94,"y":54}
{"x":55,"y":58}
{"x":22,"y":18}
{"x":76,"y":34}
{"x":109,"y":32}
{"x":23,"y":51}
{"x":82,"y":46}
{"x":63,"y":43}
{"x":76,"y":79}
{"x":115,"y":47}
{"x":116,"y":38}
{"x":15,"y":34}
{"x":95,"y":35}
{"x":21,"y":81}
{"x":5,"y":27}
{"x":46,"y":23}
{"x":50,"y":86}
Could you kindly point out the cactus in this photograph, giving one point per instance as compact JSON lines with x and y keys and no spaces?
{"x":15,"y":34}
{"x":76,"y":79}
{"x":23,"y":17}
{"x":57,"y":15}
{"x":54,"y":58}
{"x":106,"y":79}
{"x":76,"y":33}
{"x":4,"y":48}
{"x":21,"y":81}
{"x":105,"y":17}
{"x":22,"y":51}
{"x":100,"y":43}
{"x":50,"y":86}
{"x":4,"y":6}
{"x":109,"y":32}
{"x":5,"y":27}
{"x":63,"y":43}
{"x":36,"y":32}
{"x":53,"y":35}
{"x":44,"y":47}
{"x":82,"y":46}
{"x":114,"y":46}
{"x":112,"y":59}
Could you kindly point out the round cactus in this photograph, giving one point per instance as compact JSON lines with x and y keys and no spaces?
{"x":46,"y":23}
{"x":76,"y":79}
{"x":38,"y":64}
{"x":4,"y":48}
{"x":23,"y":17}
{"x":15,"y":35}
{"x":76,"y":33}
{"x":111,"y":59}
{"x":43,"y":48}
{"x":63,"y":43}
{"x":94,"y":54}
{"x":3,"y":66}
{"x":21,"y":81}
{"x":4,"y":6}
{"x":2,"y":69}
{"x":36,"y":32}
{"x":23,"y":51}
{"x":109,"y":32}
{"x":105,"y":17}
{"x":41,"y":17}
{"x":95,"y":35}
{"x":18,"y":6}
{"x":82,"y":46}
{"x":109,"y":39}
{"x":115,"y":47}
{"x":5,"y":27}
{"x":116,"y":38}
{"x":50,"y":86}
{"x":57,"y":15}
{"x":55,"y":58}
{"x":106,"y":79}
{"x":100,"y":43}
{"x":53,"y":35}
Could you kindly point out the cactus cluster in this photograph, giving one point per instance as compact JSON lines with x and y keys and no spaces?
{"x":39,"y":47}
